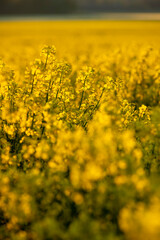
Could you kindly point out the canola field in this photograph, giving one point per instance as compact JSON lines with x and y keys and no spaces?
{"x":80,"y":130}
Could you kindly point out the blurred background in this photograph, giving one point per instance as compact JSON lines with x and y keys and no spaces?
{"x":30,"y":7}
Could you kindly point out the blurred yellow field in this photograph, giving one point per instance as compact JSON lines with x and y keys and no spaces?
{"x":80,"y":130}
{"x":21,"y":41}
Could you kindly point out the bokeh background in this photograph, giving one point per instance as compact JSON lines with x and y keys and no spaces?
{"x":76,"y":6}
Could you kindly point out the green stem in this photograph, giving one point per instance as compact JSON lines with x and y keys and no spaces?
{"x":84,"y":125}
{"x":82,"y":94}
{"x":59,"y":85}
{"x":43,"y":126}
{"x":99,"y":99}
{"x":32,"y":84}
{"x":48,"y":91}
{"x":33,"y":121}
{"x":45,"y":65}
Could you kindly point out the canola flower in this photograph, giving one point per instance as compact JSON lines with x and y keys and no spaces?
{"x":79,"y":144}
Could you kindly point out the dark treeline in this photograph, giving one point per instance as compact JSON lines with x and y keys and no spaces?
{"x":119,"y":5}
{"x":36,"y":6}
{"x":70,"y":6}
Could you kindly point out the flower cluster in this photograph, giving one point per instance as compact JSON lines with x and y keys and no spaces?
{"x":79,"y":148}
